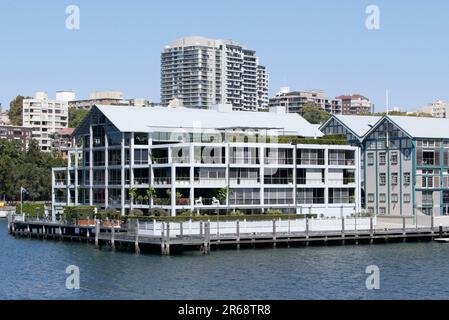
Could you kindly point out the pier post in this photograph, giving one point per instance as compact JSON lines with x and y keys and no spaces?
{"x":307,"y":231}
{"x":60,"y":233}
{"x":343,"y":230}
{"x":113,"y":237}
{"x":136,"y":241}
{"x":403,"y":230}
{"x":181,"y":229}
{"x":371,"y":230}
{"x":274,"y":233}
{"x":441,"y":231}
{"x":10,"y":223}
{"x":238,"y":233}
{"x":201,"y":228}
{"x":432,"y":222}
{"x":206,"y":243}
{"x":97,"y":233}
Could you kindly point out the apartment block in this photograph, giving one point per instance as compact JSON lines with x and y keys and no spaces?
{"x":22,"y":134}
{"x":46,"y":117}
{"x":201,"y":72}
{"x":437,"y":109}
{"x":294,"y":101}
{"x":354,"y":104}
{"x":189,"y":156}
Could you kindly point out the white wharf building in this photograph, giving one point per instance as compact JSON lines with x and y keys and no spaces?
{"x":181,"y":159}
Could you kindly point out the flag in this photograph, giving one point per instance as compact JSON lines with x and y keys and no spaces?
{"x":24,"y":192}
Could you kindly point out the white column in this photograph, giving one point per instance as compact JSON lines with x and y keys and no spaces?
{"x":122,"y":209}
{"x":91,"y":162}
{"x":106,"y":170}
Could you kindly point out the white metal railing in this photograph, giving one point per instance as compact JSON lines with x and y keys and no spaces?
{"x":196,"y":228}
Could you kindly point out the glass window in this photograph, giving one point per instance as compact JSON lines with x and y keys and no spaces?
{"x":370,"y":158}
{"x":394,"y":197}
{"x":406,"y":179}
{"x":382,"y":158}
{"x":371,"y":197}
{"x":394,"y":179}
{"x":406,"y":197}
{"x":382,"y":197}
{"x":382,"y":179}
{"x":394,"y":158}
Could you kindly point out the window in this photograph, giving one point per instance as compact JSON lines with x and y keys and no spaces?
{"x":406,"y":197}
{"x":370,"y":158}
{"x":406,"y":154}
{"x":370,"y":210}
{"x":370,"y":197}
{"x":383,"y":197}
{"x":394,"y":179}
{"x":394,"y":197}
{"x":394,"y":158}
{"x":382,"y":210}
{"x":406,"y":179}
{"x":382,"y":158}
{"x":427,"y":198}
{"x":382,"y":179}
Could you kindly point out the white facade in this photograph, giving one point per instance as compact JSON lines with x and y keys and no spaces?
{"x":293,"y":101}
{"x":45,"y":117}
{"x":201,"y":72}
{"x":438,"y":109}
{"x":188,"y":167}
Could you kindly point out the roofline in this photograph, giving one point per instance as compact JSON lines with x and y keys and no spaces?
{"x":380,"y":121}
{"x":360,"y":138}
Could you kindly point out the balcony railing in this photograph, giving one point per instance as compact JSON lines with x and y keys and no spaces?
{"x":141,"y":181}
{"x":162,"y":180}
{"x":341,"y":162}
{"x":311,"y":162}
{"x":279,"y":160}
{"x":278,"y":201}
{"x":310,"y":200}
{"x":234,"y":202}
{"x":304,"y":181}
{"x":162,"y":201}
{"x":244,"y":160}
{"x":278,"y":180}
{"x":159,"y":160}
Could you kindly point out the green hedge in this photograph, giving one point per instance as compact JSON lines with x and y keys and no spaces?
{"x":72,"y":213}
{"x":31,"y":209}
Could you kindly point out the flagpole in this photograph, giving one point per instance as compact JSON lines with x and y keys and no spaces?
{"x":21,"y":200}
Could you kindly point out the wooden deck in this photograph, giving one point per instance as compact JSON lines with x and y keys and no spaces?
{"x":166,"y":244}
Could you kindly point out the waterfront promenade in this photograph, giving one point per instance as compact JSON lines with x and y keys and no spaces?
{"x":173,"y":237}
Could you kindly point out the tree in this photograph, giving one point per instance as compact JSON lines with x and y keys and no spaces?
{"x":16,"y":110}
{"x":76,"y":116}
{"x":30,"y":169}
{"x":314,"y":114}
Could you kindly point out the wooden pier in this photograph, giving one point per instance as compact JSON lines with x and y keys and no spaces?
{"x":126,"y":238}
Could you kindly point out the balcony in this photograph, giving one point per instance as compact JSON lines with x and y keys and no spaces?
{"x":311,"y":162}
{"x":142,"y":181}
{"x":160,"y":160}
{"x":342,"y":162}
{"x":162,"y":180}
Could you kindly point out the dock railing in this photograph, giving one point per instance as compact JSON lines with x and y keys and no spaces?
{"x":224,"y":228}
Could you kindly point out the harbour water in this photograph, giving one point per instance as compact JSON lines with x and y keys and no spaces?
{"x":35,"y":269}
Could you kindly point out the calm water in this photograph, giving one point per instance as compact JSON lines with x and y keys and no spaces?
{"x":35,"y":269}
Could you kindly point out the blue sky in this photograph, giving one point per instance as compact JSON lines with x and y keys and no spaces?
{"x":304,"y":44}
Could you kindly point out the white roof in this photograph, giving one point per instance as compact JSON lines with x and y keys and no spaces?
{"x":143,"y":119}
{"x":422,"y":127}
{"x":360,"y":125}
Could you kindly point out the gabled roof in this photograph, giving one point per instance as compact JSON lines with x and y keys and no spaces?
{"x":422,"y":127}
{"x":357,"y":125}
{"x":145,"y":119}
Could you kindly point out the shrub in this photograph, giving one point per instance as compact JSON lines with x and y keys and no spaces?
{"x":79,"y":212}
{"x":136,"y":213}
{"x":31,"y":209}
